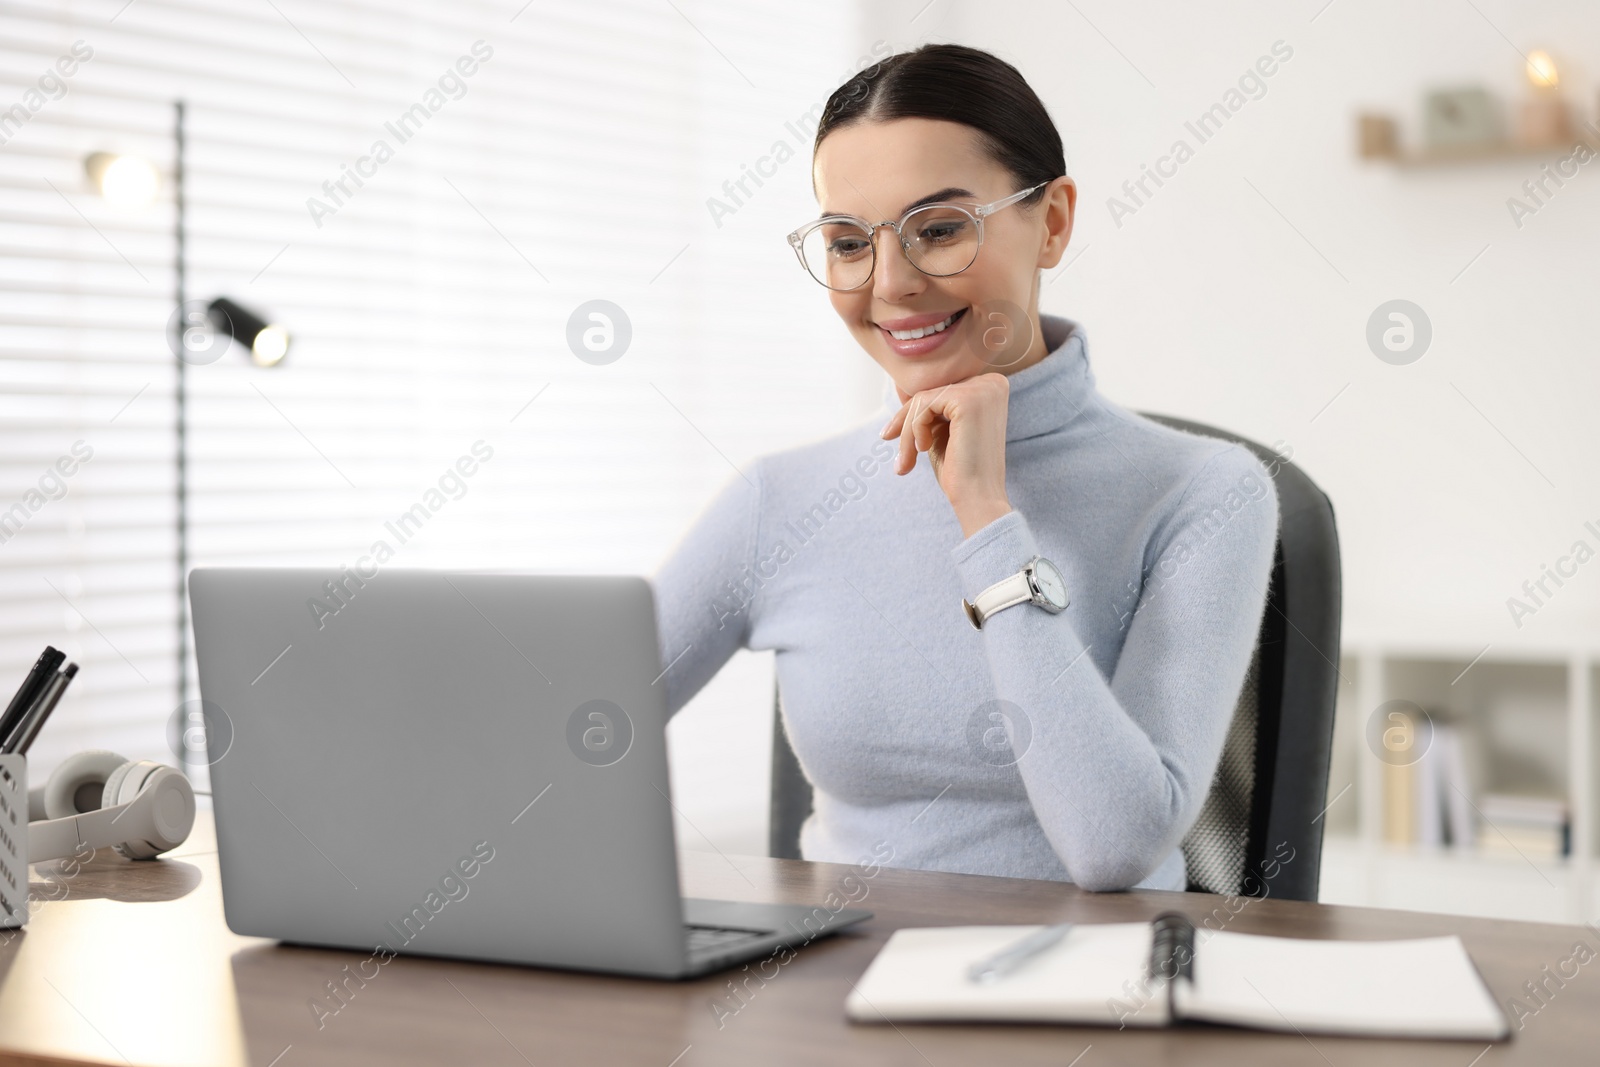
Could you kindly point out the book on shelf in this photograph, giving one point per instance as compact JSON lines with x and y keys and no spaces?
{"x":1442,"y":793}
{"x":1399,"y":819}
{"x":1535,"y":826}
{"x":1431,"y":802}
{"x":1428,"y":801}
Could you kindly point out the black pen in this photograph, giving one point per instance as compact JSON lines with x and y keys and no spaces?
{"x":41,"y":710}
{"x":44,"y":670}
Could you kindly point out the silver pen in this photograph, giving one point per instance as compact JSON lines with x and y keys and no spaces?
{"x":1015,"y":955}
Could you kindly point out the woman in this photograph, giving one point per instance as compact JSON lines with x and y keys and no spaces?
{"x":1072,"y":735}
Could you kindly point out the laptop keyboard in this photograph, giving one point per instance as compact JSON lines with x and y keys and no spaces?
{"x":703,"y":939}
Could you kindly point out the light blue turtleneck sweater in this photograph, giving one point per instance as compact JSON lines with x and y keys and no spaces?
{"x":1078,"y":746}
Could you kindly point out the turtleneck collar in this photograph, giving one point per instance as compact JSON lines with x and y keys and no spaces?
{"x":1047,"y":395}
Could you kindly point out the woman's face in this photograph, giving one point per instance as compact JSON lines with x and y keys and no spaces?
{"x":877,"y":171}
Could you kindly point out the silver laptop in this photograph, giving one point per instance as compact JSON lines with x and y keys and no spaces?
{"x":456,"y":764}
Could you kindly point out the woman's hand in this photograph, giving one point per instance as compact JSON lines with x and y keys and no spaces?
{"x":962,"y":427}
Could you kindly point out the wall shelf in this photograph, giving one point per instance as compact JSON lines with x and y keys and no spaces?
{"x":1489,"y":153}
{"x":1378,"y":141}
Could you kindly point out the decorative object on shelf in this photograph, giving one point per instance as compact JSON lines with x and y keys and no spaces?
{"x":1543,"y":119}
{"x":1378,"y":137}
{"x":1461,"y":121}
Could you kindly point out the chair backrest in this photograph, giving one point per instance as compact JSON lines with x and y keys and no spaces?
{"x":1259,"y":832}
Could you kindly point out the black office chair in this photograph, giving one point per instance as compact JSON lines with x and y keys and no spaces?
{"x":1271,"y":783}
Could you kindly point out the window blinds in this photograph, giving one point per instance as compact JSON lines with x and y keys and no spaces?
{"x":424,"y":195}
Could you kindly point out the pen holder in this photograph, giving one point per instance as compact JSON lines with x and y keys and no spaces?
{"x":13,"y":840}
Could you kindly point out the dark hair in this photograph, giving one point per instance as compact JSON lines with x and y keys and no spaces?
{"x":957,"y":84}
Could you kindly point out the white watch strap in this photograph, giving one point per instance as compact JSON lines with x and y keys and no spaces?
{"x":1005,"y":593}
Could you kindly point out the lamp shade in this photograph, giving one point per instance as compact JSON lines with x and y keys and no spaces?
{"x":268,"y":342}
{"x":126,"y":181}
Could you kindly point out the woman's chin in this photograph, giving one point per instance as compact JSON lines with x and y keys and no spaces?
{"x":932,"y":371}
{"x":912,"y":380}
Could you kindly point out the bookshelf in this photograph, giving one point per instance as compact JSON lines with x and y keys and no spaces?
{"x":1525,"y":713}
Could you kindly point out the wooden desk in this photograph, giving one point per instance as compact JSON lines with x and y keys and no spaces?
{"x":134,"y":964}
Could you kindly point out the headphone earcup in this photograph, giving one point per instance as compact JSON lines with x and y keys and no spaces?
{"x":93,"y":768}
{"x":128,"y":774}
{"x":167,"y":817}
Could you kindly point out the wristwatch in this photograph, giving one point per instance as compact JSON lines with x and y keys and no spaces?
{"x":1038,"y":582}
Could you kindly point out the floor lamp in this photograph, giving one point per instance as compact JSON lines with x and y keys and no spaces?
{"x":198,"y":333}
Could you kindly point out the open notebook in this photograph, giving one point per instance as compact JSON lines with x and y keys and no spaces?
{"x":1158,"y":973}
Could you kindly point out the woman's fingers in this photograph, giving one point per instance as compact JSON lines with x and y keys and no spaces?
{"x":896,"y":427}
{"x":906,"y":455}
{"x":923,"y":427}
{"x":939,"y":440}
{"x":962,"y":428}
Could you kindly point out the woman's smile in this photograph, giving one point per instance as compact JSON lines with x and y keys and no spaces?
{"x":918,"y":335}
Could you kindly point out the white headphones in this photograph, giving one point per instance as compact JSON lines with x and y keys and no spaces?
{"x":138,"y":807}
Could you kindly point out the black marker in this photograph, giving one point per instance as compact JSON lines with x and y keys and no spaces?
{"x":41,"y":710}
{"x":44,"y":670}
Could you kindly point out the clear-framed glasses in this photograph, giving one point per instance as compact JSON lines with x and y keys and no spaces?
{"x":840,"y":251}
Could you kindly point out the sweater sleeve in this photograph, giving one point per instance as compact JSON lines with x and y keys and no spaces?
{"x":1118,"y":770}
{"x":704,"y":592}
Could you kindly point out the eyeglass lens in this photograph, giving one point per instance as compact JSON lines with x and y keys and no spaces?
{"x":938,"y":240}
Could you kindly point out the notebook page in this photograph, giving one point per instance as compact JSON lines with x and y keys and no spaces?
{"x":1420,"y":988}
{"x":1093,"y":975}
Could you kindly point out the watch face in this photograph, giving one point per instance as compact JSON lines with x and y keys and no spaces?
{"x":1050,"y":582}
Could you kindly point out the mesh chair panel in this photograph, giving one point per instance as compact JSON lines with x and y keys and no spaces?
{"x":1214,"y":850}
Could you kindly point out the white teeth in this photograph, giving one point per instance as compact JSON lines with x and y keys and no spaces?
{"x":912,"y":335}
